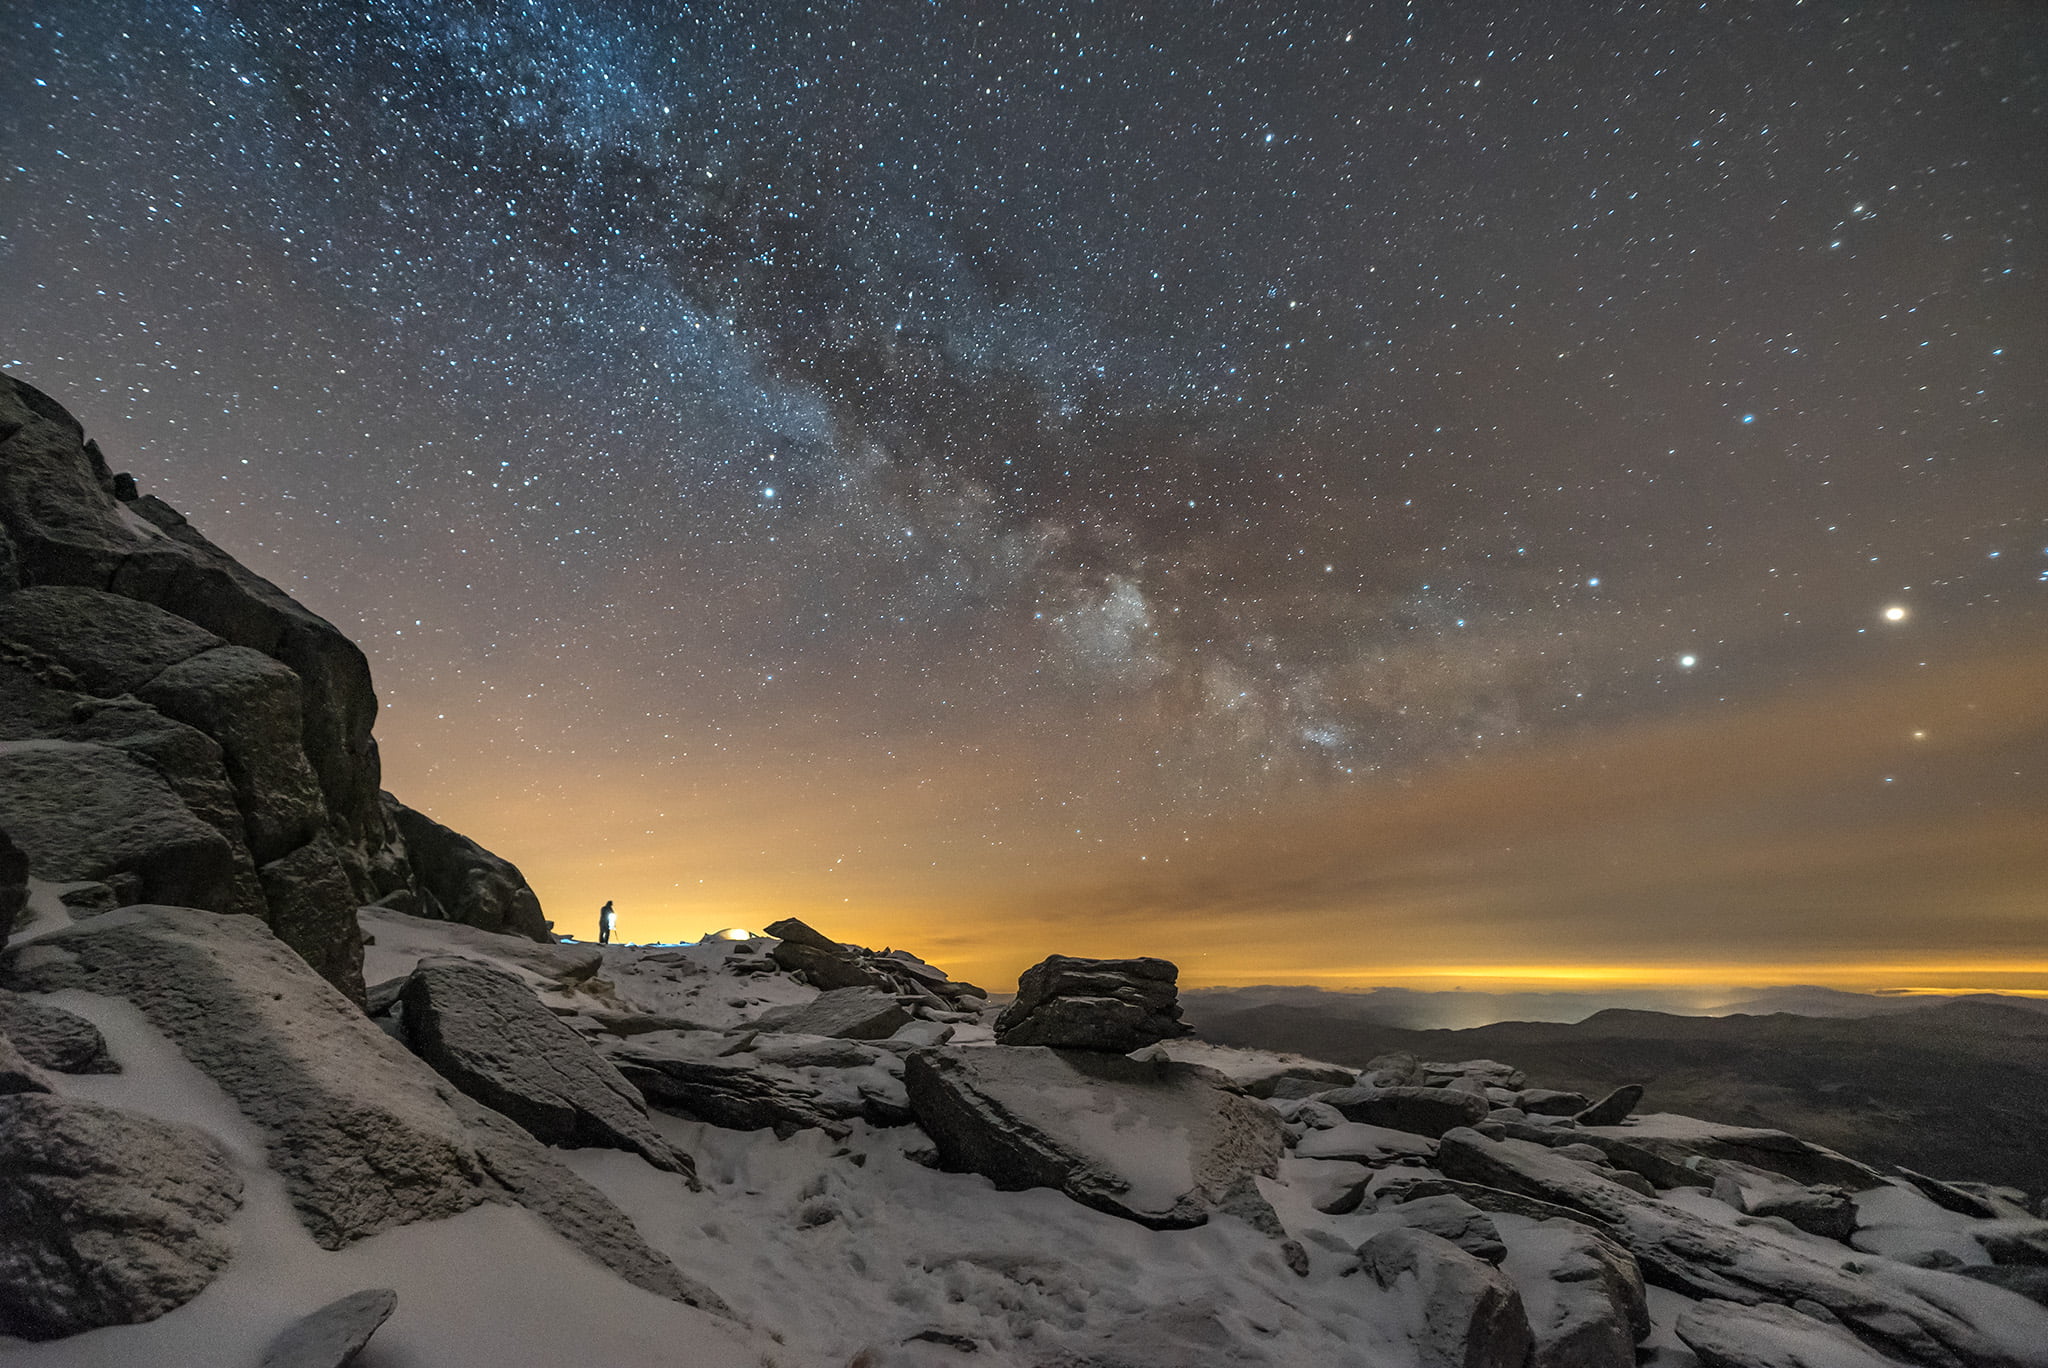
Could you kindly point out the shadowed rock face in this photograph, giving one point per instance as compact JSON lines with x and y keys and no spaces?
{"x":458,"y":880}
{"x":222,"y":750}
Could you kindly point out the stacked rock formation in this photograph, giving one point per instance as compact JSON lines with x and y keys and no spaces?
{"x":1094,"y":1004}
{"x":179,"y":730}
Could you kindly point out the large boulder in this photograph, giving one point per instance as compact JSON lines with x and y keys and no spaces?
{"x":1583,"y":1293}
{"x":1093,"y":1004}
{"x":60,"y":515}
{"x":459,"y":881}
{"x":847,"y":1013}
{"x":342,"y":1107}
{"x":84,"y":811}
{"x":1697,"y":1258}
{"x":1419,"y":1111}
{"x":486,"y":1033}
{"x":1680,"y":1151}
{"x":1154,"y":1141}
{"x":107,"y":1217}
{"x":1463,"y":1312}
{"x":251,"y":705}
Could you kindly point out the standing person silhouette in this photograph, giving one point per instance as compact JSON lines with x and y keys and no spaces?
{"x":604,"y":923}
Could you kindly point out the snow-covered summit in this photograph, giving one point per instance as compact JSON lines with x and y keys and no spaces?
{"x":878,"y":1182}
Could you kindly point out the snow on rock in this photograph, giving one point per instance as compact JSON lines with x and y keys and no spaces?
{"x":107,"y":1217}
{"x":1464,"y":1312}
{"x":341,"y":1105}
{"x":484,"y":1032}
{"x":1680,"y":1249}
{"x":1154,"y":1141}
{"x":1583,"y":1293}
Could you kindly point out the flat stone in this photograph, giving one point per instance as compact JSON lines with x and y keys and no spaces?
{"x":335,"y":1334}
{"x":846,"y":1013}
{"x":485,"y":1032}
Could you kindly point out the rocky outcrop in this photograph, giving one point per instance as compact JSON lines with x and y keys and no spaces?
{"x":106,"y":1217}
{"x":18,"y":1075}
{"x":218,"y":734}
{"x":815,"y":958}
{"x":1092,"y":1004}
{"x":365,"y":1136}
{"x":847,"y":1013}
{"x":52,"y":1038}
{"x":335,"y":1334}
{"x":1153,"y":1141}
{"x":457,"y":880}
{"x":483,"y":1031}
{"x":1454,"y":1219}
{"x":1468,"y":1314}
{"x":1698,"y":1259}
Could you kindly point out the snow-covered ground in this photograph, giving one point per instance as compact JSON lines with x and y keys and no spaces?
{"x":855,"y":1250}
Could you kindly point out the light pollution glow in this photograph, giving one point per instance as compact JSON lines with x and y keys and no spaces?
{"x":1694,"y":850}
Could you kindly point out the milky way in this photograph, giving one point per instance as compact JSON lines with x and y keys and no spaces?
{"x":978,"y":452}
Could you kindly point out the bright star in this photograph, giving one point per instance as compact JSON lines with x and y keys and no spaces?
{"x":1686,"y":662}
{"x":1895,"y":613}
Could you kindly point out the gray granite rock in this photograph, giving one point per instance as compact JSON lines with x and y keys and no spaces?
{"x":1089,"y":1004}
{"x":485,"y":1032}
{"x":107,"y":1217}
{"x":52,"y":1038}
{"x":341,"y":1106}
{"x":332,"y":1336}
{"x":1469,"y":1314}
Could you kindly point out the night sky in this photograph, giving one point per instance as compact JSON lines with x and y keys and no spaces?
{"x":1353,"y":494}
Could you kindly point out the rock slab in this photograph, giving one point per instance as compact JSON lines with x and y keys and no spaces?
{"x":332,"y":1336}
{"x":485,"y":1032}
{"x":846,"y":1013}
{"x":1153,"y":1141}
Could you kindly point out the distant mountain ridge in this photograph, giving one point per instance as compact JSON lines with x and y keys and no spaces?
{"x":1457,"y":1009}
